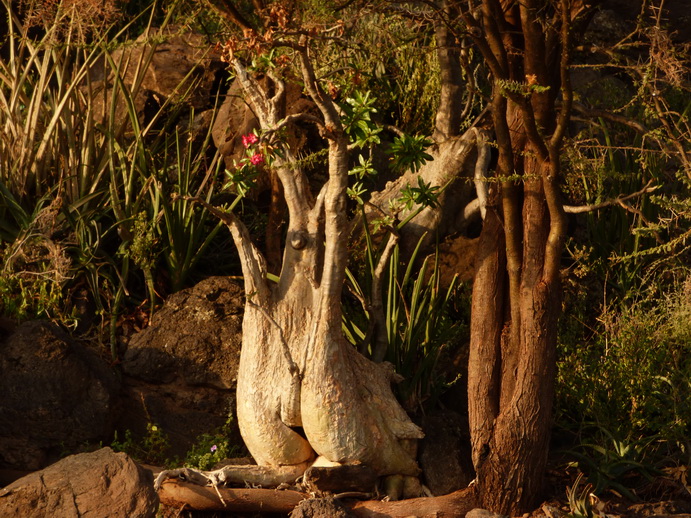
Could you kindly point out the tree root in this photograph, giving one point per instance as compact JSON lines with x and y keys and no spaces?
{"x":458,"y":503}
{"x":179,"y":494}
{"x":243,"y":475}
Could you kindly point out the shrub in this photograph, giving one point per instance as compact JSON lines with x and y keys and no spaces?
{"x":633,"y":377}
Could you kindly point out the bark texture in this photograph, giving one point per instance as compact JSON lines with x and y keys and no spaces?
{"x":516,"y":291}
{"x":302,"y":390}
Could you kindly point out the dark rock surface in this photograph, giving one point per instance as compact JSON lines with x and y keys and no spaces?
{"x":88,"y":485}
{"x":320,"y":508}
{"x":194,"y":338}
{"x":179,"y":63}
{"x":445,"y":453}
{"x":180,"y":371}
{"x":339,"y":479}
{"x":57,"y":395}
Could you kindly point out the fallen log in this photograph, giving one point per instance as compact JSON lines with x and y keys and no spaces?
{"x":179,"y":494}
{"x":244,"y":474}
{"x":452,"y":505}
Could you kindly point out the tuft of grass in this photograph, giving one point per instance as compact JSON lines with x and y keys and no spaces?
{"x":85,"y":179}
{"x":623,"y":392}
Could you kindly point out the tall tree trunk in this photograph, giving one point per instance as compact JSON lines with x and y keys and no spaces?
{"x":511,"y":374}
{"x":516,"y":291}
{"x":450,"y":113}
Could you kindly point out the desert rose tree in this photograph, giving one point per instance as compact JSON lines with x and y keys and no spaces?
{"x":302,"y":390}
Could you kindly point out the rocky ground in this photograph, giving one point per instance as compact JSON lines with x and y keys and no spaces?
{"x":62,"y":396}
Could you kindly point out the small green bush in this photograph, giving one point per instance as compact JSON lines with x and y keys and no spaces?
{"x":150,"y":449}
{"x":633,"y":376}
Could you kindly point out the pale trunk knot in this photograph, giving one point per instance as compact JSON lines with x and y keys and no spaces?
{"x":298,"y":241}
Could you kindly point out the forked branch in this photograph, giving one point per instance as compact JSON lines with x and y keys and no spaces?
{"x":253,"y":263}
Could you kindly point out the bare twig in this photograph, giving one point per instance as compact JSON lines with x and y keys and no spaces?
{"x":607,"y":115}
{"x":580,"y":209}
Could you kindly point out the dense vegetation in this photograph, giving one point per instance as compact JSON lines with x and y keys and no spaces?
{"x":93,"y":211}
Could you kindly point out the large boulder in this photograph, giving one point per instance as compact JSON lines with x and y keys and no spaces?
{"x":97,"y":484}
{"x":57,"y":395}
{"x":180,"y":371}
{"x":162,"y":65}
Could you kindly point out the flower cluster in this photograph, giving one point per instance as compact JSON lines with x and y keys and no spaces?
{"x":257,"y":159}
{"x":242,"y":178}
{"x":248,"y":140}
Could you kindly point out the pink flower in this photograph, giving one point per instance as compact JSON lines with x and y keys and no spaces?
{"x":249,"y":139}
{"x":257,"y":159}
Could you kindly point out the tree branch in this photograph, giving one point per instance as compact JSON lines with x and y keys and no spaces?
{"x":381,"y":342}
{"x":612,"y":117}
{"x":254,"y":92}
{"x":581,"y":209}
{"x":295,"y":185}
{"x":227,"y":9}
{"x":557,"y":227}
{"x":335,"y":219}
{"x":565,"y":74}
{"x":292,"y":118}
{"x":253,"y":263}
{"x":480,"y":172}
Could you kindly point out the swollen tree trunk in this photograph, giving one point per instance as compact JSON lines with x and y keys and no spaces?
{"x":516,"y":290}
{"x":302,"y":390}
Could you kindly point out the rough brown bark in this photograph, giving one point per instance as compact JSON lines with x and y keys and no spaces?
{"x":516,"y":292}
{"x":511,"y":419}
{"x":452,"y":505}
{"x":450,"y":114}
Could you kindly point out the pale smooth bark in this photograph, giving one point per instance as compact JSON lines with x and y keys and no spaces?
{"x":302,"y":390}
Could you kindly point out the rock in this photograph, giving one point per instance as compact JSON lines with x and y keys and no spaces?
{"x":340,"y":479}
{"x":57,"y":395}
{"x":181,"y":66}
{"x":320,"y":508}
{"x":445,"y":452}
{"x":180,"y":371}
{"x":195,"y":338}
{"x":95,"y":484}
{"x":483,"y":513}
